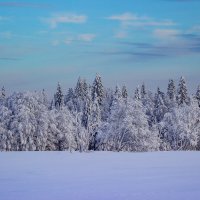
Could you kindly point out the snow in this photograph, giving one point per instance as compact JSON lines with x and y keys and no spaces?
{"x":99,"y":175}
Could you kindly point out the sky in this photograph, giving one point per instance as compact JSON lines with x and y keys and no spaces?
{"x":127,"y":42}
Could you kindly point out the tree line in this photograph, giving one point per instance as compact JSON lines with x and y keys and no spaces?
{"x":95,"y":118}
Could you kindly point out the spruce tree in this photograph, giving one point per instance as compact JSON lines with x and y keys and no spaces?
{"x":143,"y":91}
{"x":160,"y":107}
{"x":3,"y":93}
{"x":182,"y":94}
{"x":98,"y":90}
{"x":198,"y":95}
{"x":79,"y":89}
{"x":171,"y":90}
{"x":58,"y":98}
{"x":137,"y":94}
{"x":118,"y":92}
{"x":124,"y":92}
{"x":69,"y":96}
{"x":2,"y":96}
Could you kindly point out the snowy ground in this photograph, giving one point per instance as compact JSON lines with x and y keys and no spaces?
{"x":99,"y":175}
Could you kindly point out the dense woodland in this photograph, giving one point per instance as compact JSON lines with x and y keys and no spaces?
{"x":94,"y":118}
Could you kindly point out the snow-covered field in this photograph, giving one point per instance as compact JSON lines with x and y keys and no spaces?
{"x":99,"y":175}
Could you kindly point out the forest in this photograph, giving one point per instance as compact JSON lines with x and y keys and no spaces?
{"x":91,"y":117}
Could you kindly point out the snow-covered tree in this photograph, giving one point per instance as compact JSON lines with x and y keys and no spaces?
{"x":160,"y":107}
{"x":198,"y":95}
{"x":98,"y":90}
{"x":124,"y":92}
{"x":118,"y":92}
{"x":106,"y":104}
{"x":2,"y":96}
{"x":59,"y":98}
{"x":127,"y":129}
{"x":143,"y":91}
{"x":137,"y":94}
{"x":94,"y":118}
{"x":182,"y":93}
{"x":180,"y":129}
{"x":171,"y":90}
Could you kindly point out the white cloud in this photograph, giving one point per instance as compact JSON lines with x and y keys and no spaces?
{"x":146,"y":23}
{"x":194,"y":29}
{"x":55,"y":42}
{"x":4,"y":18}
{"x":123,"y":17}
{"x":69,"y":40}
{"x":6,"y":35}
{"x":86,"y":37}
{"x":121,"y":34}
{"x":64,"y":18}
{"x":166,"y":33}
{"x":130,"y":19}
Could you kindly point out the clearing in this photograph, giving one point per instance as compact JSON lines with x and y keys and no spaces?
{"x":99,"y":175}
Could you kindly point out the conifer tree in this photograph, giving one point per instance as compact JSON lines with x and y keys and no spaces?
{"x":143,"y":91}
{"x":160,"y":107}
{"x":69,"y":96}
{"x":2,"y":96}
{"x":3,"y":93}
{"x":118,"y":92}
{"x":182,"y":94}
{"x":58,"y":98}
{"x":137,"y":94}
{"x":171,"y":90}
{"x":198,"y":95}
{"x":98,"y":90}
{"x":79,"y":89}
{"x":124,"y":92}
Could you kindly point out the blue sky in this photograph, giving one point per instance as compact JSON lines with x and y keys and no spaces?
{"x":125,"y":41}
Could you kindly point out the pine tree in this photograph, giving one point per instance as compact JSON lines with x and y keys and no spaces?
{"x":85,"y":88}
{"x":86,"y":114}
{"x":69,"y":96}
{"x":79,"y":91}
{"x":160,"y":107}
{"x":182,"y":94}
{"x":44,"y":98}
{"x":198,"y":95}
{"x":58,"y":98}
{"x":124,"y":92}
{"x":143,"y":91}
{"x":171,"y":90}
{"x":94,"y":123}
{"x":98,"y":90}
{"x":118,"y":92}
{"x":3,"y":93}
{"x":137,"y":94}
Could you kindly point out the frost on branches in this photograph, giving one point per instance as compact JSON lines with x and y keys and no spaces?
{"x":96,"y":118}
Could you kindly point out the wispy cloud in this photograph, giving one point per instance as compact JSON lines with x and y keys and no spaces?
{"x":9,"y":59}
{"x":123,"y":17}
{"x":86,"y":37}
{"x":23,"y":4}
{"x":74,"y":38}
{"x":130,"y":19}
{"x":121,"y":34}
{"x":55,"y":42}
{"x":194,"y":29}
{"x":3,"y":18}
{"x":62,"y":18}
{"x":166,"y":44}
{"x":6,"y":34}
{"x":68,"y":40}
{"x":166,"y":33}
